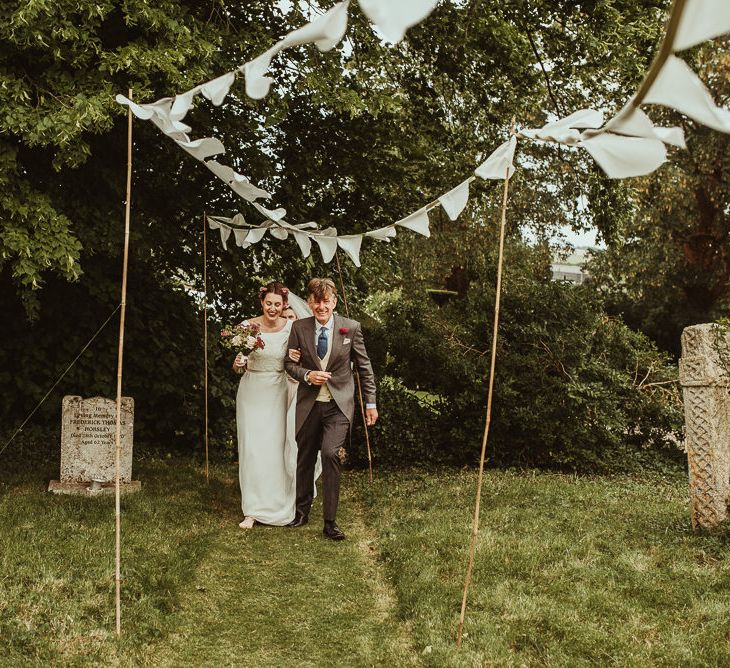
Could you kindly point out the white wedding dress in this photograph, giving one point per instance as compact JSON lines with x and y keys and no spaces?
{"x":267,"y":449}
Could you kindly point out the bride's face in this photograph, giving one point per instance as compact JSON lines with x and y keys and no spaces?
{"x":272,"y":305}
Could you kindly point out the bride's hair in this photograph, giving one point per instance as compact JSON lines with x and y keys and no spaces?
{"x":275,"y":288}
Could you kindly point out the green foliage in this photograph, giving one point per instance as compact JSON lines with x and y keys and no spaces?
{"x":574,"y":388}
{"x":355,"y":138}
{"x":667,"y":263}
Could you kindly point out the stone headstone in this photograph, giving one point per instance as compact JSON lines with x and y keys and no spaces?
{"x":88,"y":445}
{"x":705,"y":384}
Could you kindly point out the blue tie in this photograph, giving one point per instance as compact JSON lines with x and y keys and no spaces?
{"x":322,"y":343}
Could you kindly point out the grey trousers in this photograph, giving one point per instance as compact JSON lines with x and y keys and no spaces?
{"x":324,"y":429}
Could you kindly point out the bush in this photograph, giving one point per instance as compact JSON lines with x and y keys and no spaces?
{"x":574,"y":388}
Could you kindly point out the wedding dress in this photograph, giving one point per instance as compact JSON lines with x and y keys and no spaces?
{"x":266,"y":434}
{"x":265,"y":422}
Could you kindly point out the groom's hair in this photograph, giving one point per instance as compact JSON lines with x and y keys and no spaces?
{"x":320,"y":288}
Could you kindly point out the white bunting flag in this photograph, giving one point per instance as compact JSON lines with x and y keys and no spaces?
{"x":139,"y":111}
{"x":701,"y":20}
{"x":565,"y":130}
{"x":305,"y":243}
{"x":623,"y":157}
{"x":325,"y":31}
{"x":418,"y":222}
{"x":382,"y":233}
{"x":351,"y":243}
{"x":394,"y":17}
{"x":497,"y":164}
{"x":455,"y":200}
{"x":678,"y":87}
{"x":275,"y":215}
{"x":225,"y":233}
{"x":201,"y":149}
{"x":327,"y":242}
{"x":217,"y":89}
{"x":257,"y":83}
{"x":240,"y":236}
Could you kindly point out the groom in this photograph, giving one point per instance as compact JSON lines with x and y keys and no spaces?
{"x":325,"y":399}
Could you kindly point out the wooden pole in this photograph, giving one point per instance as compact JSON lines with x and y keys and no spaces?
{"x":475,"y":522}
{"x":357,"y":375}
{"x":120,"y":360}
{"x":205,"y":336}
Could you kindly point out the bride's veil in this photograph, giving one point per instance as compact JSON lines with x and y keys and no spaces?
{"x":299,"y":306}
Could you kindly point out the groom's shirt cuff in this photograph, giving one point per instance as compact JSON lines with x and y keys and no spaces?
{"x":369,"y":406}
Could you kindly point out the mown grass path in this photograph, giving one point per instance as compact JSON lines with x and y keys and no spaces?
{"x":197,"y":590}
{"x":282,"y":597}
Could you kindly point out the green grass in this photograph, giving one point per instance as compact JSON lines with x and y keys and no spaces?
{"x":197,"y":590}
{"x":570,"y":571}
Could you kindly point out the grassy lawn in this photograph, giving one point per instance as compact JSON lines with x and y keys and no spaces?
{"x":570,"y":572}
{"x":197,"y":590}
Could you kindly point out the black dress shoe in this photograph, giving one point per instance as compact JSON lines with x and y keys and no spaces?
{"x":298,"y":521}
{"x":332,"y":531}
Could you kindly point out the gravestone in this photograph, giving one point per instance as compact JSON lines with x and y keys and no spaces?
{"x":705,"y":386}
{"x":88,"y":446}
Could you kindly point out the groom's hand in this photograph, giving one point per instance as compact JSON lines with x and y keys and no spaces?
{"x":319,"y":377}
{"x":371,"y":416}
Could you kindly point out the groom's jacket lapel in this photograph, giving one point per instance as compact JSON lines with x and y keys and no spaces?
{"x":337,"y":339}
{"x":308,"y":332}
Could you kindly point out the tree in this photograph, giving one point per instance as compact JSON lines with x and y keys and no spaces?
{"x":357,"y":138}
{"x":667,"y":264}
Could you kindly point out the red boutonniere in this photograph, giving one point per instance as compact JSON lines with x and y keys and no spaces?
{"x":344,"y":330}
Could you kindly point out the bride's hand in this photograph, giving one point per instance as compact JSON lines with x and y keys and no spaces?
{"x":295,"y":354}
{"x":239,"y":364}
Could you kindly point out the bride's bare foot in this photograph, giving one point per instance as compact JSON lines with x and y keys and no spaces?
{"x":247,"y":523}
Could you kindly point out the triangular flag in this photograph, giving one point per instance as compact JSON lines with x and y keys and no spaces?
{"x":305,"y":243}
{"x":327,"y":242}
{"x":325,"y":31}
{"x":382,"y":233}
{"x":275,"y":215}
{"x":225,"y":233}
{"x":257,"y":83}
{"x":418,"y":222}
{"x":701,"y":20}
{"x":394,"y":17}
{"x":241,"y":237}
{"x":678,"y":87}
{"x":350,"y":243}
{"x":217,"y":89}
{"x":497,"y":164}
{"x":203,"y":148}
{"x":455,"y":200}
{"x":623,"y":157}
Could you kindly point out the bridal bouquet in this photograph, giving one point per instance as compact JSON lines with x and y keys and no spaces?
{"x":243,"y":337}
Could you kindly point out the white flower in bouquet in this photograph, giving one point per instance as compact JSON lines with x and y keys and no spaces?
{"x":250,"y":342}
{"x":238,"y":341}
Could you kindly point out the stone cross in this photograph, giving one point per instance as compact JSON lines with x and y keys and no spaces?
{"x":705,"y":387}
{"x":88,"y":445}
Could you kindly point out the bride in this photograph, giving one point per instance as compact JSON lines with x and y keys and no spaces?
{"x":264,"y":417}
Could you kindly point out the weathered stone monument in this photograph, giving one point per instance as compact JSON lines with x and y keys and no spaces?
{"x":706,"y":390}
{"x":88,"y":445}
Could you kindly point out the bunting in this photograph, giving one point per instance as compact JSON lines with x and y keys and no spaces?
{"x":627,"y":145}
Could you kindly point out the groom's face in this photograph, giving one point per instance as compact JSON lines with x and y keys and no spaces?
{"x":322,"y":308}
